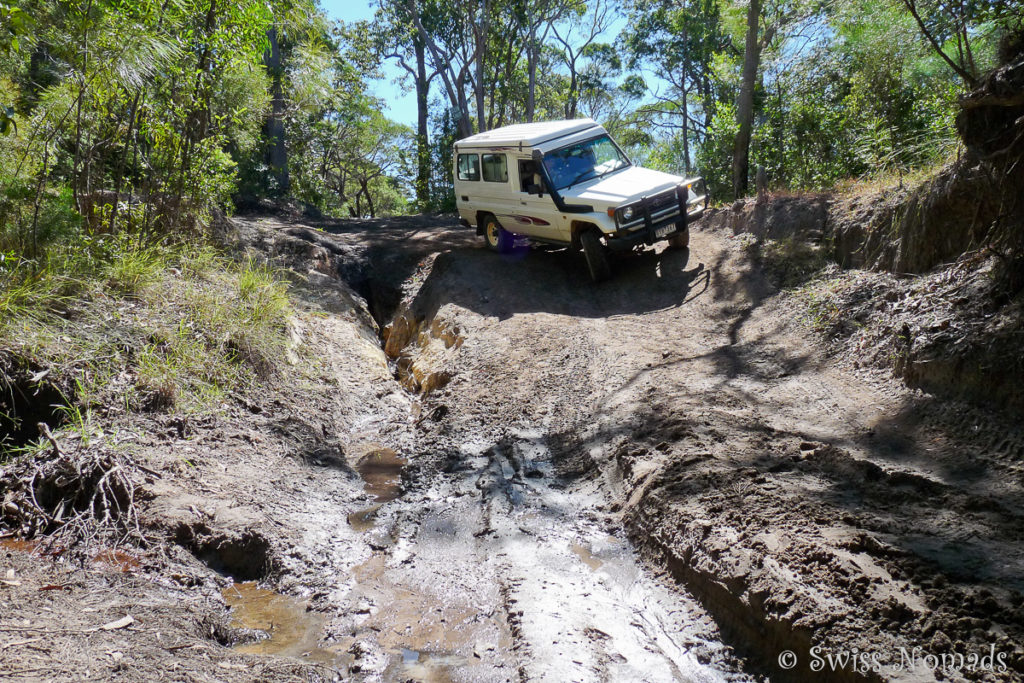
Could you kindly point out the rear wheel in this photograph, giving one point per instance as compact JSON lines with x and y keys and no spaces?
{"x":680,"y":240}
{"x":596,"y":255}
{"x":498,"y":238}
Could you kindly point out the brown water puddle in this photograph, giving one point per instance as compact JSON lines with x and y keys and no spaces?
{"x":381,"y":470}
{"x":428,"y":637}
{"x":429,"y":667}
{"x":294,"y":632}
{"x":116,"y":560}
{"x":19,"y":544}
{"x":587,"y":556}
{"x":364,"y":520}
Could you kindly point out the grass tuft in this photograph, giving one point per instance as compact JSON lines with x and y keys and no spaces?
{"x":146,"y":326}
{"x":134,"y":267}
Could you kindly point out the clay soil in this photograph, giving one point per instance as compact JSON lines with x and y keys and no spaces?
{"x":483,"y":467}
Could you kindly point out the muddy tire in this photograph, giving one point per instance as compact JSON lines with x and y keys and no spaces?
{"x":596,"y":255}
{"x":681,"y":240}
{"x":498,"y":238}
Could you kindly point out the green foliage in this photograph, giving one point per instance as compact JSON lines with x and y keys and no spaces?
{"x":13,"y":23}
{"x":198,"y":325}
{"x":715,"y":154}
{"x":870,"y":105}
{"x":347,"y":156}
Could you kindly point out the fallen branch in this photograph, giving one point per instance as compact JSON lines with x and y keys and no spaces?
{"x":18,"y":643}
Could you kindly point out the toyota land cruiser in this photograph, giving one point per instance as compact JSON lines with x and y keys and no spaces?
{"x":568,"y":183}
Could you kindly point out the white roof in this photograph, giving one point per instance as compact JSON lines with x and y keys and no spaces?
{"x":529,"y":134}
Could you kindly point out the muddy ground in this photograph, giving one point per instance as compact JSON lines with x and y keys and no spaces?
{"x":483,"y":467}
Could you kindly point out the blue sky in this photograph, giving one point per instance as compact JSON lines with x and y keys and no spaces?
{"x":401,"y":105}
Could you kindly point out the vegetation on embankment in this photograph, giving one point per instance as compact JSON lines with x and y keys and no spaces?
{"x":941,"y":299}
{"x":114,"y":324}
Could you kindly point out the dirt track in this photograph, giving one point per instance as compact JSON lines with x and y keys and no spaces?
{"x":778,"y":501}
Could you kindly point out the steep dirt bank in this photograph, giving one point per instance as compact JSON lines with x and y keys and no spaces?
{"x":473,"y":529}
{"x":220,"y":496}
{"x":804,"y":504}
{"x":952,"y":329}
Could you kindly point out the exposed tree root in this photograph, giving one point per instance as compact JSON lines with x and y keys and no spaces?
{"x":72,"y":496}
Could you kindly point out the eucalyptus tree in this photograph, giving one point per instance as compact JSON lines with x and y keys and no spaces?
{"x":578,"y":37}
{"x":398,"y":37}
{"x":537,"y":19}
{"x":294,"y":22}
{"x":679,"y":41}
{"x":453,"y":32}
{"x":766,"y":23}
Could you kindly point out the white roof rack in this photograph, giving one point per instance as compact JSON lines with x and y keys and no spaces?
{"x":529,"y":134}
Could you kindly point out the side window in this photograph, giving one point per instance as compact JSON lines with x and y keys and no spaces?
{"x":528,"y":174}
{"x":495,"y":168}
{"x":469,"y":167}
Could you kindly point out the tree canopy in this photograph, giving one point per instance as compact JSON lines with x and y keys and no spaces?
{"x":147,"y":115}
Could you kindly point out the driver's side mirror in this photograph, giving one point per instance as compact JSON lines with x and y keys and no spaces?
{"x":535,"y":188}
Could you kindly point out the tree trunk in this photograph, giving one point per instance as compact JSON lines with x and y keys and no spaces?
{"x":273,"y":127}
{"x":454,"y":85}
{"x":481,"y":43}
{"x":422,"y":135}
{"x":745,"y":103}
{"x":369,"y":200}
{"x":465,"y":123}
{"x":686,"y":132}
{"x":571,"y":100}
{"x":531,"y":71}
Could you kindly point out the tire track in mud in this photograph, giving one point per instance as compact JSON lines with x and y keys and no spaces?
{"x":556,"y":595}
{"x":679,"y":393}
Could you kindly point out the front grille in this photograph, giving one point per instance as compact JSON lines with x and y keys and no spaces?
{"x":660,"y":206}
{"x":662,"y":201}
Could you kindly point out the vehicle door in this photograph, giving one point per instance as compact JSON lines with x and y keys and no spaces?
{"x":496,"y":187}
{"x":467,"y":183}
{"x":538,"y":213}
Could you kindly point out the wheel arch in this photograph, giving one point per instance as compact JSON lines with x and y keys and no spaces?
{"x":481,"y":220}
{"x":578,"y":227}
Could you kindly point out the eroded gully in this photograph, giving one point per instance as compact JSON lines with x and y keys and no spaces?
{"x":471,"y":557}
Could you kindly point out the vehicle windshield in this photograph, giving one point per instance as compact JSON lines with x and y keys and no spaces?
{"x":583,"y":161}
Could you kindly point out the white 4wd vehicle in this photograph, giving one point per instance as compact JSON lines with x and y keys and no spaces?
{"x":568,"y":183}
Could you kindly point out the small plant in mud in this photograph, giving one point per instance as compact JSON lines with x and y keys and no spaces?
{"x":822,"y":299}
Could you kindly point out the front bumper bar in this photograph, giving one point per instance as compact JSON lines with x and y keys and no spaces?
{"x":627,"y":239}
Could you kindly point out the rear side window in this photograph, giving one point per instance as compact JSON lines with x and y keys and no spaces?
{"x":495,"y":168}
{"x":469,"y":167}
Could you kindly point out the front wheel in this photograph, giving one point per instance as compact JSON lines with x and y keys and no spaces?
{"x":498,"y":238}
{"x":597,"y":257}
{"x":680,"y":240}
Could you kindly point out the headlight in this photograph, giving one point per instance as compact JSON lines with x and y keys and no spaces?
{"x":627,"y":213}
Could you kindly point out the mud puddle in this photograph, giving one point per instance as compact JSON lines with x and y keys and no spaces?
{"x":499,"y":571}
{"x":587,"y":556}
{"x":365,"y":519}
{"x":293,"y":630}
{"x":581,"y":602}
{"x":429,"y":667}
{"x":19,"y":544}
{"x":116,"y":560}
{"x":381,"y":470}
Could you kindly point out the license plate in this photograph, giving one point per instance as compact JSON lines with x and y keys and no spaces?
{"x":664,"y":230}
